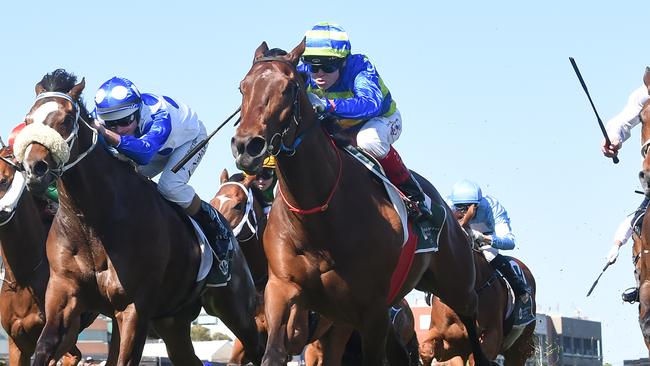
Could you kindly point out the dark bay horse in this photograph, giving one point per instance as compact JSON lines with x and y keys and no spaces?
{"x":642,"y":243}
{"x":334,"y":238}
{"x":22,"y":237}
{"x":341,"y":346}
{"x":447,"y":339}
{"x":116,"y":246}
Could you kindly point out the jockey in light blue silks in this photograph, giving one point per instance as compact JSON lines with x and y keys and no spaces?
{"x":156,"y":132}
{"x":490,"y":230}
{"x":348,"y":87}
{"x":618,"y":129}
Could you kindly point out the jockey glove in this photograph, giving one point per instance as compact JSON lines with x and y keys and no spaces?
{"x":320,"y":105}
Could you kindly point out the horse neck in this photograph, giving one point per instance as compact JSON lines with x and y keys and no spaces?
{"x":482,"y":268}
{"x":307,"y":177}
{"x":97,"y":185}
{"x":23,"y":245}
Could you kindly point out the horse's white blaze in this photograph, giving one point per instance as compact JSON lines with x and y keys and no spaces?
{"x":222,"y":199}
{"x":41,"y":113}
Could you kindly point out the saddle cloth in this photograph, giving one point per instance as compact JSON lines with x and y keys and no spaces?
{"x":396,"y":198}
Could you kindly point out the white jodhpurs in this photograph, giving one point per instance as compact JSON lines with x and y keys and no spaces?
{"x":378,"y":133}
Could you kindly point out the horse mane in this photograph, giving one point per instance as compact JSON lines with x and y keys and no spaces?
{"x":62,"y":81}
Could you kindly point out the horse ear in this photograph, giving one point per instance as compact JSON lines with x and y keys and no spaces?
{"x":224,"y":176}
{"x":39,"y":89}
{"x":294,"y":55}
{"x":646,"y":78}
{"x":76,"y":90}
{"x":259,"y":52}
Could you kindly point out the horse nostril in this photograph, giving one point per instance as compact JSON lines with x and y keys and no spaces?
{"x":256,"y":146}
{"x":40,"y":168}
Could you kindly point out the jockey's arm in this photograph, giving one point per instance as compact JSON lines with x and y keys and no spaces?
{"x":503,"y":238}
{"x":366,"y":102}
{"x":619,"y":127}
{"x":142,"y":149}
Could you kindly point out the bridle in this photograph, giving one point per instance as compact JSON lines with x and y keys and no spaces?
{"x":276,"y":149}
{"x":291,"y":150}
{"x":249,"y":213}
{"x":70,"y":140}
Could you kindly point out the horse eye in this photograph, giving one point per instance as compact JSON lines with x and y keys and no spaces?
{"x":238,"y":206}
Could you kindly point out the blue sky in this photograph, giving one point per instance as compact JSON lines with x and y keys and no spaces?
{"x":485,"y":89}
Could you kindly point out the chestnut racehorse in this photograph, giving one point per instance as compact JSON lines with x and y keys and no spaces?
{"x":22,"y":236}
{"x":334,"y":238}
{"x":238,"y":201}
{"x":642,"y":243}
{"x":116,"y":246}
{"x":447,"y":337}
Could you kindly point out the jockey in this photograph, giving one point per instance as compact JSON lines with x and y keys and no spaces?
{"x":618,"y":129}
{"x":265,"y":182}
{"x":622,"y":235}
{"x":156,"y":132}
{"x":348,"y":87}
{"x":490,"y":229}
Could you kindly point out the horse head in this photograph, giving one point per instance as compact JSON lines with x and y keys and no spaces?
{"x":8,"y":169}
{"x":45,"y":144}
{"x":271,"y":106}
{"x":234,"y":197}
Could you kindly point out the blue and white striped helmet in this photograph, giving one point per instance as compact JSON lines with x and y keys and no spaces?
{"x":464,"y":192}
{"x":117,"y":98}
{"x":326,"y":42}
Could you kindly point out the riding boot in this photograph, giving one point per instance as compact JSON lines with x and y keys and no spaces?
{"x":521,"y":289}
{"x":214,"y":228}
{"x":631,"y":295}
{"x":400,"y":176}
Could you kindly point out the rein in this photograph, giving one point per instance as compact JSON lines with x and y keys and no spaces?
{"x":247,"y":213}
{"x":58,"y":172}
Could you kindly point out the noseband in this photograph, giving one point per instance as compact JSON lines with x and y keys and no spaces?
{"x":63,"y":167}
{"x":290,"y":150}
{"x":248,"y":212}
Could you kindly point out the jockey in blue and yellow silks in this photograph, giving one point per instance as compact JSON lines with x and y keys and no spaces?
{"x":348,"y":87}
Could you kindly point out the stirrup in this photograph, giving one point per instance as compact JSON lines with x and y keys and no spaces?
{"x":630,"y":295}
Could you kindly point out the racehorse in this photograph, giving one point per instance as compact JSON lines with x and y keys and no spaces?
{"x":340,"y":345}
{"x":238,"y":201}
{"x":116,"y":246}
{"x":334,"y":238}
{"x":22,"y":237}
{"x":642,"y":243}
{"x":447,"y":338}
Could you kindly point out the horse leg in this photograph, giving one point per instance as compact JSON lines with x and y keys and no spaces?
{"x":277,"y":300}
{"x":237,"y":353}
{"x":114,"y":345}
{"x":314,"y":353}
{"x":236,"y":305}
{"x":175,"y":332}
{"x":644,"y":311}
{"x":522,"y":349}
{"x":396,"y":349}
{"x":16,"y":356}
{"x":334,"y":344}
{"x":374,"y":333}
{"x":71,"y":358}
{"x":62,"y":322}
{"x":132,"y":326}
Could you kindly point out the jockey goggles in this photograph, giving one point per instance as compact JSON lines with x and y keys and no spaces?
{"x":122,"y":122}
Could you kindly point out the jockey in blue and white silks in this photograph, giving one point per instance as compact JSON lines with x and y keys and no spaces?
{"x":619,"y":130}
{"x":349,"y":88}
{"x":156,"y":132}
{"x":490,"y":229}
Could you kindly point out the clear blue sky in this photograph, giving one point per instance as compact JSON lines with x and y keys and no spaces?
{"x":485,"y":90}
